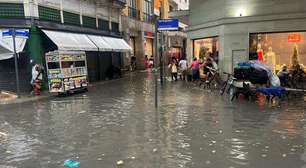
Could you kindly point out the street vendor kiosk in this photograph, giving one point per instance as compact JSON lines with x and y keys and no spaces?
{"x":67,"y":71}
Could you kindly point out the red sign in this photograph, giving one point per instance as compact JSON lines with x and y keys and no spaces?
{"x":294,"y":37}
{"x":149,"y":34}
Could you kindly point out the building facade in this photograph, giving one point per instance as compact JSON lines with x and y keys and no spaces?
{"x":177,"y":39}
{"x":100,"y":18}
{"x":138,"y":27}
{"x":234,"y":31}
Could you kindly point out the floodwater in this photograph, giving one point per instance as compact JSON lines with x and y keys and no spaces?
{"x":117,"y":121}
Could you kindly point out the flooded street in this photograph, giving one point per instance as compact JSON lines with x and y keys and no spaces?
{"x":117,"y":121}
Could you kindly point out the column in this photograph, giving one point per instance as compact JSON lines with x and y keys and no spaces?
{"x":35,"y":48}
{"x":139,"y":50}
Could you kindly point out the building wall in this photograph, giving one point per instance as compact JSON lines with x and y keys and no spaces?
{"x":137,"y":28}
{"x":181,"y":4}
{"x":203,"y":11}
{"x":220,"y":18}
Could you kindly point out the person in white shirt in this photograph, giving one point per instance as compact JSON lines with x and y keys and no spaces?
{"x":183,"y":68}
{"x":36,"y":79}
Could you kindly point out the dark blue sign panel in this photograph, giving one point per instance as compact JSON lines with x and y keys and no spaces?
{"x":20,"y":33}
{"x":168,"y":24}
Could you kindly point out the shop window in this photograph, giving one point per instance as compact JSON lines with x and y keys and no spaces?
{"x":278,"y":49}
{"x":206,"y":47}
{"x":133,"y":12}
{"x":89,"y":22}
{"x":103,"y":24}
{"x":49,"y":14}
{"x":11,"y":10}
{"x":115,"y":27}
{"x":175,"y":52}
{"x":148,"y":46}
{"x":71,"y":18}
{"x":147,"y":10}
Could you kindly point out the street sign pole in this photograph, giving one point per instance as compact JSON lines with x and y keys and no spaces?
{"x":16,"y":62}
{"x":155,"y":64}
{"x":162,"y":58}
{"x":161,"y":44}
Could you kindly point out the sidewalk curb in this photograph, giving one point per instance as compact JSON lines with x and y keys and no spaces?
{"x":25,"y":99}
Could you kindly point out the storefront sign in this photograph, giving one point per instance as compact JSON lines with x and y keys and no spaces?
{"x":167,"y":24}
{"x":294,"y":37}
{"x":149,"y":34}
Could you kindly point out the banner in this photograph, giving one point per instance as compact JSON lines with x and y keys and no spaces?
{"x":157,"y":7}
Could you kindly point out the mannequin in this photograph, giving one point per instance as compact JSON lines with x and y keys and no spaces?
{"x":271,"y":59}
{"x":260,"y":53}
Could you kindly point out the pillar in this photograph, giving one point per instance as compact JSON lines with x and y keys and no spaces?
{"x":140,"y":8}
{"x":139,"y":50}
{"x":35,"y":48}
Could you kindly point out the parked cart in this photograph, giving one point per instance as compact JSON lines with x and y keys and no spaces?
{"x":67,"y":71}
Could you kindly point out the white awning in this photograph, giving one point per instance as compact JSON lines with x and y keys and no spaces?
{"x":71,"y":41}
{"x":6,"y":45}
{"x":100,"y":43}
{"x":117,"y":44}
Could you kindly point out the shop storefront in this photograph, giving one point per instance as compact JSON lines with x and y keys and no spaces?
{"x":82,"y":58}
{"x":7,"y":61}
{"x":148,"y":44}
{"x":278,"y":49}
{"x":206,"y":47}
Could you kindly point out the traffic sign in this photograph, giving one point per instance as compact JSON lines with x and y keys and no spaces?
{"x":167,"y":24}
{"x":19,"y":33}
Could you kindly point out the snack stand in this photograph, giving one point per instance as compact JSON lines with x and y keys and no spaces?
{"x":67,"y":71}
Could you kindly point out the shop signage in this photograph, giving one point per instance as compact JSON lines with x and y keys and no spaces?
{"x":149,"y":34}
{"x":294,"y":37}
{"x":167,"y":24}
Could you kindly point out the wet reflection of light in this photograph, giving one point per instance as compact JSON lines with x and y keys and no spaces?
{"x":238,"y":151}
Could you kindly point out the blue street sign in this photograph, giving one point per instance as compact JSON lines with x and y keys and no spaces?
{"x":19,"y":33}
{"x":167,"y":24}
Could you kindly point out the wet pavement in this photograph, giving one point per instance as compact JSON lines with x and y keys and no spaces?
{"x":117,"y":121}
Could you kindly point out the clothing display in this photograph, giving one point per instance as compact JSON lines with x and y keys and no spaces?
{"x":271,"y":59}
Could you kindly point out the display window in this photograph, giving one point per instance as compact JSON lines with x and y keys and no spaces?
{"x":132,"y":44}
{"x":175,"y":52}
{"x":278,"y":49}
{"x":148,"y":45}
{"x":206,"y":47}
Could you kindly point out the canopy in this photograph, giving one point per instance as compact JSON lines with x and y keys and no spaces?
{"x":71,"y":41}
{"x":100,"y":43}
{"x":7,"y":47}
{"x":117,"y":44}
{"x":84,"y":42}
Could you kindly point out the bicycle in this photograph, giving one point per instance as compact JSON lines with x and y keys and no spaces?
{"x":212,"y":79}
{"x":228,"y":84}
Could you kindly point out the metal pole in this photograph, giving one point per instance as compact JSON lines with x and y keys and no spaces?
{"x":162,"y":58}
{"x":16,"y":62}
{"x":155,"y":63}
{"x":162,"y":46}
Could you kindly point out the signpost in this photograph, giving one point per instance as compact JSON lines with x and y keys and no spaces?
{"x":167,"y":24}
{"x":12,"y":33}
